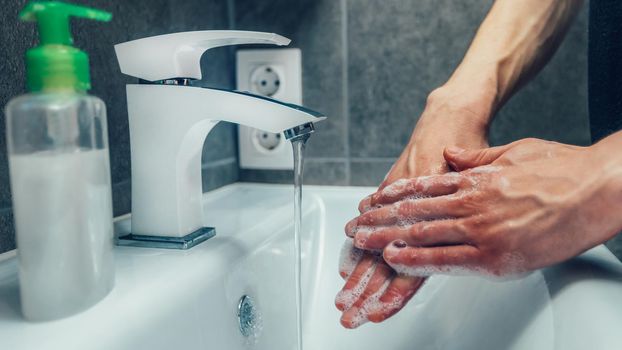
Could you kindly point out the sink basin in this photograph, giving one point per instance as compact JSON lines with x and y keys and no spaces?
{"x":165,"y":299}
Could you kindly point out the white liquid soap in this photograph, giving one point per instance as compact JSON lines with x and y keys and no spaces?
{"x":62,"y":207}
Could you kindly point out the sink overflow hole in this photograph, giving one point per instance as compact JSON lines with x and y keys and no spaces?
{"x":248,"y":317}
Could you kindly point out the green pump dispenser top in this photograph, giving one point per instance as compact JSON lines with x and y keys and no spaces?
{"x":55,"y":64}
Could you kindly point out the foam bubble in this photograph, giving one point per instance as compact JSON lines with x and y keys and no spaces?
{"x":512,"y":269}
{"x":415,"y":197}
{"x":428,"y":270}
{"x":348,"y":297}
{"x":358,"y":319}
{"x":424,"y":182}
{"x":396,"y":187}
{"x":373,"y":305}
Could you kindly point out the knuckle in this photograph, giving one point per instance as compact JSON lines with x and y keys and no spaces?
{"x":365,"y":219}
{"x":412,"y":257}
{"x":404,"y":208}
{"x":462,"y":228}
{"x":421,"y":184}
{"x":455,"y":205}
{"x":528,"y":140}
{"x":464,"y":181}
{"x":420,"y":232}
{"x":470,"y":227}
{"x":393,"y":293}
{"x":353,"y":280}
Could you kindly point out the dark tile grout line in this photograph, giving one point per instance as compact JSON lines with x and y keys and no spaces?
{"x":231,"y":14}
{"x":345,"y":88}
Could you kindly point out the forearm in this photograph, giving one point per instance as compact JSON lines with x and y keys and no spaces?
{"x":516,"y":39}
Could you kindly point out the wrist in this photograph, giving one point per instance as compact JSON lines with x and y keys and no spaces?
{"x":609,"y":161}
{"x":469,"y":109}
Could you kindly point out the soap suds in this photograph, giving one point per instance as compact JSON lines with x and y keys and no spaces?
{"x":348,"y":297}
{"x":349,"y":257}
{"x":513,"y":268}
{"x":370,"y":305}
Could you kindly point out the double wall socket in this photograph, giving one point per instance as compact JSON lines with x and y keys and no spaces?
{"x":275,"y":73}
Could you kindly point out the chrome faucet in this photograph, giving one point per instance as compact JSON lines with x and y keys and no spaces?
{"x":169,"y":120}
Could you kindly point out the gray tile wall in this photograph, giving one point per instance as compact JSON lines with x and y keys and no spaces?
{"x":369,"y":65}
{"x":131,"y":20}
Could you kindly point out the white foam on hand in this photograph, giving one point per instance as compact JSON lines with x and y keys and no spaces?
{"x":347,"y":297}
{"x":349,"y":257}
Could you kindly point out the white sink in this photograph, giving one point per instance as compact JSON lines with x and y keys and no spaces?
{"x":167,"y":299}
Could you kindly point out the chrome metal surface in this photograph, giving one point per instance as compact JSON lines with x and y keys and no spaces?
{"x":299,"y":132}
{"x":247,"y":316}
{"x":185,"y":242}
{"x":173,"y":81}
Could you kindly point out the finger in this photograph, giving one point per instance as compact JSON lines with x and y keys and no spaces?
{"x":461,"y":159}
{"x":365,"y":204}
{"x":409,"y":211}
{"x":349,"y":258}
{"x":351,"y":227}
{"x":424,"y":233}
{"x":356,"y":283}
{"x":396,"y":296}
{"x":357,"y":314}
{"x":425,"y":261}
{"x":424,"y":186}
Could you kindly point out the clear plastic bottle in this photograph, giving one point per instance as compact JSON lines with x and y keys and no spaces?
{"x":60,"y":174}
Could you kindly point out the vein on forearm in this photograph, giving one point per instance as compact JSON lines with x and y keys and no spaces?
{"x":517,"y":38}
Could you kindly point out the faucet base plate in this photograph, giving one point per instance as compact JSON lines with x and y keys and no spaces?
{"x":186,"y":242}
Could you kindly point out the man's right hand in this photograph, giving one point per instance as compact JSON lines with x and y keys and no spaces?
{"x":373,"y":291}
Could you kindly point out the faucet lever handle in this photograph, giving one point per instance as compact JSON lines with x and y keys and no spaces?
{"x":178,"y":55}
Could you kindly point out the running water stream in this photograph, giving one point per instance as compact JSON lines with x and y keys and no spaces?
{"x":298,"y":145}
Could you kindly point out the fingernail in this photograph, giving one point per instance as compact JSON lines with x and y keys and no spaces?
{"x":455,"y":150}
{"x":399,"y":244}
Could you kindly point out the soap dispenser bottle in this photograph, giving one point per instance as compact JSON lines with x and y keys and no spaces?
{"x":60,"y":173}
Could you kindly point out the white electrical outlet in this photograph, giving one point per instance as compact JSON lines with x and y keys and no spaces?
{"x":276,"y":73}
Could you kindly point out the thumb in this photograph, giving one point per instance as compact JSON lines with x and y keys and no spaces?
{"x":461,"y":159}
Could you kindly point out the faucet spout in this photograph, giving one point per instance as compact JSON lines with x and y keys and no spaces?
{"x":300,"y":132}
{"x":168,"y":126}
